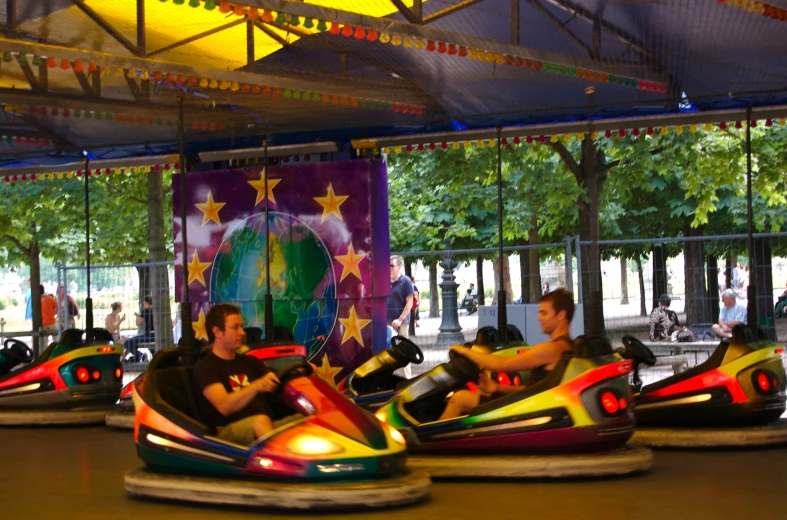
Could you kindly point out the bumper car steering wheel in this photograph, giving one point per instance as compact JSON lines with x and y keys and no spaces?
{"x":408,"y":350}
{"x":464,"y":367}
{"x":17,"y":350}
{"x":637,"y":351}
{"x":294,"y":371}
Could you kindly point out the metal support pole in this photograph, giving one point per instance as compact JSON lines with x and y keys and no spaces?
{"x":249,"y":43}
{"x":60,"y":269}
{"x":189,"y":342}
{"x":579,"y":269}
{"x":10,"y":18}
{"x":269,"y":334}
{"x":569,"y":271}
{"x":88,"y":300}
{"x":502,"y":317}
{"x":141,"y":27}
{"x":751,"y":308}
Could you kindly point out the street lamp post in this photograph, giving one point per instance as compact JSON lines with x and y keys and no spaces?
{"x":450,"y":330}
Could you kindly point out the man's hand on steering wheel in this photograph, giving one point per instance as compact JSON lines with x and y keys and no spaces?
{"x":486,"y":385}
{"x":267,"y":383}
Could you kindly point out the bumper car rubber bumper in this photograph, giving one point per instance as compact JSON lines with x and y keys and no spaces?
{"x":121,"y":419}
{"x":622,"y":461}
{"x":741,"y":437}
{"x":79,"y":417}
{"x":407,"y":488}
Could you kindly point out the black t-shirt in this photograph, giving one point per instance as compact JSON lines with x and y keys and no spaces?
{"x":147,"y":315}
{"x":234,"y":374}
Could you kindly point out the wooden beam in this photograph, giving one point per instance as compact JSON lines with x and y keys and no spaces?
{"x":107,"y":27}
{"x":453,"y":9}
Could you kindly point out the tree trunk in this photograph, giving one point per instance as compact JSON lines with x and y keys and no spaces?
{"x":535,"y":264}
{"x":590,"y":177}
{"x":159,"y":278}
{"x":434,"y":301}
{"x":697,"y":307}
{"x":624,"y":282}
{"x":479,"y":279}
{"x":732,"y":261}
{"x":659,"y":274}
{"x":760,"y":264}
{"x":143,"y":272}
{"x":506,"y":279}
{"x":643,"y":311}
{"x":713,"y":286}
{"x":408,"y":267}
{"x":524,"y":273}
{"x":33,"y":257}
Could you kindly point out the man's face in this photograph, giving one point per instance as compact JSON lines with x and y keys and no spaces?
{"x":233,"y":336}
{"x":548,"y":318}
{"x":395,"y":270}
{"x":728,"y":302}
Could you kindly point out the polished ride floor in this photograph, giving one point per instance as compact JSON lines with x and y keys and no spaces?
{"x":78,"y":473}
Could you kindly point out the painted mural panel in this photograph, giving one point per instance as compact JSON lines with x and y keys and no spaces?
{"x":329,"y":248}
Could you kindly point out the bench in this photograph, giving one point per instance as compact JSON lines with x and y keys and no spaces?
{"x":469,"y":304}
{"x":677,"y":349}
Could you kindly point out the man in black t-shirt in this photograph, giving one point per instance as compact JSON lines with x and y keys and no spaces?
{"x":229,"y":386}
{"x":132,"y":344}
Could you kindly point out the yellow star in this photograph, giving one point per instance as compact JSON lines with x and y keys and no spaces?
{"x":197,"y":269}
{"x":199,"y":327}
{"x":353,"y":326}
{"x":260,"y":187}
{"x":326,"y":372}
{"x":210,"y":210}
{"x":330,"y":204}
{"x":350,"y":263}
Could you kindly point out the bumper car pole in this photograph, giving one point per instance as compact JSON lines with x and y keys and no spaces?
{"x":88,"y":301}
{"x":751,"y":307}
{"x":188,"y":343}
{"x":502,"y":317}
{"x":269,"y":333}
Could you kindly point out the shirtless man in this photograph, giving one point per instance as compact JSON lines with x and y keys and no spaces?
{"x":555,"y":310}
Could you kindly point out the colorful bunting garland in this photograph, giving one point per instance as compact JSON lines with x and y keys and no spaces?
{"x":108,"y":116}
{"x":34,"y":177}
{"x":554,"y":138}
{"x":760,"y":8}
{"x":219,"y":84}
{"x":359,"y":32}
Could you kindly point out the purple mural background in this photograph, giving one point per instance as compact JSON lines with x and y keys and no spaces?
{"x":329,"y":239}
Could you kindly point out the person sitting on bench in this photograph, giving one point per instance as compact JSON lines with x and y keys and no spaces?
{"x":469,"y":303}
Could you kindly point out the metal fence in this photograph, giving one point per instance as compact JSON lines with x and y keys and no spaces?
{"x":125,"y":286}
{"x":691,"y":270}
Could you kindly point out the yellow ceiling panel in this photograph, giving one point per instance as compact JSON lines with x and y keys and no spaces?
{"x":375,"y":8}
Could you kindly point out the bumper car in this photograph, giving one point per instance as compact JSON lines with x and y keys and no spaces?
{"x":335,"y":456}
{"x":276,"y":356}
{"x":374,"y":383}
{"x":71,"y":382}
{"x":575,"y":422}
{"x":733,"y":399}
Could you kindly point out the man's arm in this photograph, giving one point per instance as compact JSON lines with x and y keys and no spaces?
{"x":539,"y":355}
{"x":229,"y":403}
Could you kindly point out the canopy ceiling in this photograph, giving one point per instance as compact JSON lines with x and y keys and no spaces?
{"x":265,"y":67}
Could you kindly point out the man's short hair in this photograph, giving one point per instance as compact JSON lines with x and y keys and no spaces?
{"x":561,"y":300}
{"x":148,"y":300}
{"x":729,"y":293}
{"x":396,"y":259}
{"x":665,"y":300}
{"x":217,"y":317}
{"x":42,"y":289}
